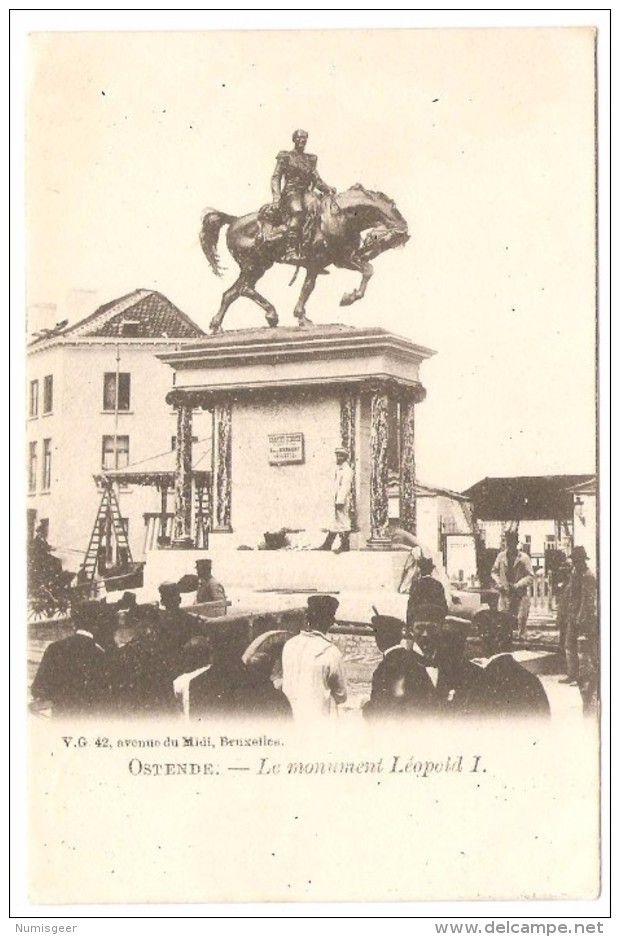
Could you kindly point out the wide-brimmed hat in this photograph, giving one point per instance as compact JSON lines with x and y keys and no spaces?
{"x":579,"y":553}
{"x":340,"y":450}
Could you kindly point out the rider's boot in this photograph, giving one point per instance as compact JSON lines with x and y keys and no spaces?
{"x":292,"y":253}
{"x":294,"y":249}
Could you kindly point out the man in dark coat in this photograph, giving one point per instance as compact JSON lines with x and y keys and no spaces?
{"x":216,"y":691}
{"x":178,"y":624}
{"x":425,"y":590}
{"x":401,"y":687}
{"x":509,"y":689}
{"x":148,"y":665}
{"x":581,"y":612}
{"x":76,"y":673}
{"x":256,"y":695}
{"x":460,"y":682}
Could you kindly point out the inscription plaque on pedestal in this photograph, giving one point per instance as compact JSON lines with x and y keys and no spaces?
{"x":286,"y":449}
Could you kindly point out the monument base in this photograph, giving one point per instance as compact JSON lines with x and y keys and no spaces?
{"x":273,"y":570}
{"x":282,"y":400}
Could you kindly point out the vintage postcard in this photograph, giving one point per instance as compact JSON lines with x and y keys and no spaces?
{"x":312,"y":487}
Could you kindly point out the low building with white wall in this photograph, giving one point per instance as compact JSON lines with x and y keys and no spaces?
{"x":540,"y":507}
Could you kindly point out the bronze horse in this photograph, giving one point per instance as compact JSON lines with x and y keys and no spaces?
{"x":347,"y":230}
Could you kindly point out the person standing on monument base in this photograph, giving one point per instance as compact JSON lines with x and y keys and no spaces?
{"x":342,"y":504}
{"x":512,"y":573}
{"x":313,"y":676}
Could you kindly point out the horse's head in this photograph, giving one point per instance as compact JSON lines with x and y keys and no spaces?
{"x":377,"y":214}
{"x":377,"y":217}
{"x":378,"y":240}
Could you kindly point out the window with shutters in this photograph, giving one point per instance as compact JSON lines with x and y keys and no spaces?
{"x":46,"y":480}
{"x":32,"y":467}
{"x":48,"y":393}
{"x":33,"y":409}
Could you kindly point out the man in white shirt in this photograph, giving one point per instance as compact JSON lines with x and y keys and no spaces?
{"x":313,"y":676}
{"x":195,"y":660}
{"x":342,"y":504}
{"x":512,"y":573}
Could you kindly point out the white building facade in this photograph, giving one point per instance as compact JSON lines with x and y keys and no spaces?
{"x":96,"y":401}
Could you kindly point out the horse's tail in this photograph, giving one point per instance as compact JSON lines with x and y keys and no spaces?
{"x":212,"y":222}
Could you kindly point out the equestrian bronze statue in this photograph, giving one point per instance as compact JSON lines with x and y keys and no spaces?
{"x":307,"y":225}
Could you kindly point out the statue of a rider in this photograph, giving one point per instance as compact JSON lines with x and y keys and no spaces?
{"x":293,"y":183}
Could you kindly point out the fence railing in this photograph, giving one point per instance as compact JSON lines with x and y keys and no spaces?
{"x":541,"y":592}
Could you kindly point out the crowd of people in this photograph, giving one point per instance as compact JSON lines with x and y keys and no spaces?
{"x":427,"y":669}
{"x":173,"y":666}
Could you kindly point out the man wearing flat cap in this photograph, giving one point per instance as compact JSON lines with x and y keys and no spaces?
{"x":581,"y":618}
{"x":342,"y":503}
{"x":313,"y":676}
{"x":174,"y":620}
{"x":209,"y":589}
{"x":401,"y":687}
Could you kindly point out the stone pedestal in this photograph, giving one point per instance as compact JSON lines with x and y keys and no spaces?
{"x":281,"y":401}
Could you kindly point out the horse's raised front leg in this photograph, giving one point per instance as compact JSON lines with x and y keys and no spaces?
{"x":300,"y":309}
{"x":366,"y":269}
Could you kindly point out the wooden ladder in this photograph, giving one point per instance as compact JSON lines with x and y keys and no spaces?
{"x":109,"y":510}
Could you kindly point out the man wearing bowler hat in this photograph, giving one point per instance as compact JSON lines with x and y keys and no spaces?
{"x":342,"y":503}
{"x":581,"y":613}
{"x":401,"y":687}
{"x":425,"y":590}
{"x":312,"y":667}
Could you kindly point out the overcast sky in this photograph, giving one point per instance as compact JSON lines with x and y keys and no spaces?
{"x":484,"y":138}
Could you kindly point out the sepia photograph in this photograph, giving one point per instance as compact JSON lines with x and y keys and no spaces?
{"x":312,"y":482}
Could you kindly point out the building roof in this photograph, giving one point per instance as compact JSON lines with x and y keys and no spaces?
{"x":423,"y":490}
{"x":142,"y":314}
{"x":588,"y":487}
{"x":524,"y":497}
